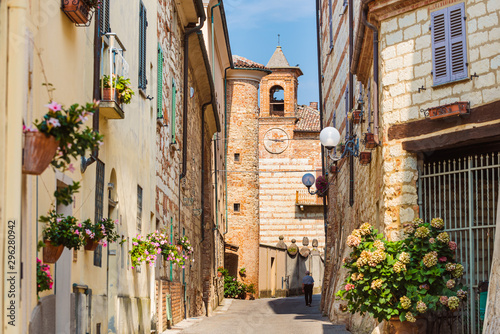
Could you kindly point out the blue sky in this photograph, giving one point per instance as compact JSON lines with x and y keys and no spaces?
{"x":254,"y":26}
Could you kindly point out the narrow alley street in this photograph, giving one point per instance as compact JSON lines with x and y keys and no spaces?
{"x":265,"y":315}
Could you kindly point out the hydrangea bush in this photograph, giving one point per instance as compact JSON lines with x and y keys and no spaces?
{"x":402,"y":278}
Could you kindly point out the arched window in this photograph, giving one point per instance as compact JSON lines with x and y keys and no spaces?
{"x":277,"y":98}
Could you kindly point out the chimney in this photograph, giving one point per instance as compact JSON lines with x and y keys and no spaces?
{"x":313,"y":105}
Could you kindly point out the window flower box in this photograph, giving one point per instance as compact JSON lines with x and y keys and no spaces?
{"x":365,"y":158}
{"x":448,"y":110}
{"x":79,"y":11}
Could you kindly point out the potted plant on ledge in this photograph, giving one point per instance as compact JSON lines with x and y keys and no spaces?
{"x":399,"y":281}
{"x":59,"y":232}
{"x":117,"y":88}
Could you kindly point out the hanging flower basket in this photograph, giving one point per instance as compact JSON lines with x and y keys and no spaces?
{"x":370,"y":141}
{"x":91,"y":244}
{"x":356,"y":116}
{"x":365,"y":158}
{"x":39,"y":150}
{"x":448,"y":110}
{"x":322,"y":186}
{"x":52,"y":253}
{"x":78,"y":11}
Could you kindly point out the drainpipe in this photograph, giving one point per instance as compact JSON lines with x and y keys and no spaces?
{"x":96,"y":90}
{"x":225,"y":142}
{"x":212,"y":36}
{"x":321,"y":107}
{"x":185,"y":90}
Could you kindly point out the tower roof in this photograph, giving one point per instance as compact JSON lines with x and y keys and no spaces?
{"x":278,"y":59}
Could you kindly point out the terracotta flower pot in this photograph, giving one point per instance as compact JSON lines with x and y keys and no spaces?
{"x":108,"y":94}
{"x":365,"y":158}
{"x":356,"y":116}
{"x":78,"y":11}
{"x":91,"y":244}
{"x":39,"y":150}
{"x":406,"y":327}
{"x":334,"y":169}
{"x":52,"y":253}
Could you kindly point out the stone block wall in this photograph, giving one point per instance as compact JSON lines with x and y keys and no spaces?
{"x":243,"y":177}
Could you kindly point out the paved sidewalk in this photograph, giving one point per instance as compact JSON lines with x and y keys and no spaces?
{"x":270,"y":315}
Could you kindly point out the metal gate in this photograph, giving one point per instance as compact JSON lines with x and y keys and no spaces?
{"x":464,"y":192}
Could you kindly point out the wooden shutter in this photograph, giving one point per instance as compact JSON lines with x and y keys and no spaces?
{"x":143,"y":23}
{"x":449,"y":54}
{"x":104,"y":17}
{"x":458,"y":50}
{"x":439,"y":28}
{"x":159,"y":97}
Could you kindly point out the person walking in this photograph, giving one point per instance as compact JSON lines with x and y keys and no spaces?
{"x":307,"y":287}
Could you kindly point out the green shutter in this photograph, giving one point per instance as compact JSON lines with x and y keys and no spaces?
{"x":174,"y":93}
{"x":159,"y":113}
{"x":143,"y":23}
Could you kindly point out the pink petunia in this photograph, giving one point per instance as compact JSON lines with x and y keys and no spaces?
{"x":71,"y":168}
{"x":54,"y":122}
{"x":54,"y":106}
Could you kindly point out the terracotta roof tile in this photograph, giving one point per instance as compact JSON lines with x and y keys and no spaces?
{"x":246,"y":63}
{"x":308,"y":119}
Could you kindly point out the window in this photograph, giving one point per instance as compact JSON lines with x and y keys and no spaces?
{"x":139,"y":208}
{"x":236,"y":207}
{"x":277,"y":98}
{"x":99,"y":205}
{"x":159,"y":98}
{"x":449,"y":54}
{"x":104,"y":17}
{"x":174,"y":93}
{"x":236,"y":157}
{"x":143,"y":24}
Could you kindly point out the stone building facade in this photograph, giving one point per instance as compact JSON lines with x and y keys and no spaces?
{"x":270,"y":148}
{"x":411,"y":168}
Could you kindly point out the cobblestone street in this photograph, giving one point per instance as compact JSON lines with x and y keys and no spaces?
{"x":267,"y":315}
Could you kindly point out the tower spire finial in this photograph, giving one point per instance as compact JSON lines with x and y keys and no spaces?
{"x":278,"y":39}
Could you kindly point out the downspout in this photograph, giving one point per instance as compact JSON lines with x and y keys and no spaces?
{"x":185,"y":90}
{"x":212,"y":36}
{"x":96,"y":91}
{"x":185,"y":101}
{"x":216,"y":185}
{"x":351,"y":95}
{"x":225,"y":142}
{"x":321,"y":107}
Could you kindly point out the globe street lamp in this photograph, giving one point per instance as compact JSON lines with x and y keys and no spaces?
{"x":329,"y":138}
{"x":308,"y":180}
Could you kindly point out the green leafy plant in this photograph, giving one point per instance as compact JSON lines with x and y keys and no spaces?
{"x":232,"y":287}
{"x":243,"y":271}
{"x":44,"y":279}
{"x":103,"y":231}
{"x":251,"y":288}
{"x":64,"y":195}
{"x":402,"y":278}
{"x":122,"y":85}
{"x":94,"y":4}
{"x":66,"y":126}
{"x":62,"y":230}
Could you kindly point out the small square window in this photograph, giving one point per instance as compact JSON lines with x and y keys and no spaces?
{"x":236,"y":207}
{"x":236,"y":157}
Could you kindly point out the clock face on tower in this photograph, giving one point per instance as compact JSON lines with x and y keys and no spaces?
{"x":276,"y":141}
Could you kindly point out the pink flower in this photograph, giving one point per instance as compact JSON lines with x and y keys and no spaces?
{"x":69,"y":145}
{"x":442,"y":259}
{"x":71,"y":168}
{"x":54,"y":122}
{"x":132,"y":267}
{"x":54,"y":106}
{"x":349,"y":287}
{"x":82,"y":119}
{"x":77,"y":232}
{"x":452,"y":245}
{"x":58,"y":220}
{"x":79,"y":224}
